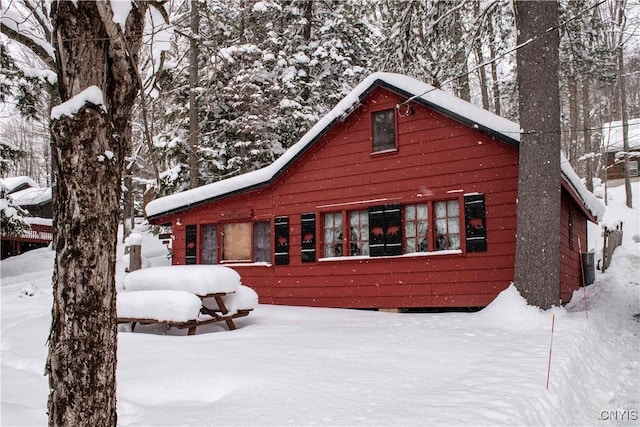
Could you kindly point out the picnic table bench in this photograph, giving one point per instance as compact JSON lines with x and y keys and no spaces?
{"x":184,"y":297}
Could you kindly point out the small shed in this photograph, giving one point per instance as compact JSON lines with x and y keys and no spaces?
{"x":403,"y":196}
{"x":613,"y":145}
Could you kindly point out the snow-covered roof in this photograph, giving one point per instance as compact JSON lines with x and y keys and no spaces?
{"x":420,"y":92}
{"x":31,"y":196}
{"x":12,"y":183}
{"x":612,"y":135}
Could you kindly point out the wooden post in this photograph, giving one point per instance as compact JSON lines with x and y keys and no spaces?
{"x":133,"y":246}
{"x":135,"y":257}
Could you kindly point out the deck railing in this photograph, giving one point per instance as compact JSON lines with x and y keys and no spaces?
{"x":37,"y":233}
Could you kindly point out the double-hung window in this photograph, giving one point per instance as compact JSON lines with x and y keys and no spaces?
{"x":447,"y":221}
{"x":333,"y":234}
{"x":384,"y":130}
{"x":261,"y":241}
{"x":359,"y":233}
{"x":416,"y":227}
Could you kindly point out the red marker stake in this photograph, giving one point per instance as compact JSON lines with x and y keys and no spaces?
{"x":553,"y":321}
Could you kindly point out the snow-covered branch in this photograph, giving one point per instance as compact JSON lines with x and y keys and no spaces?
{"x":21,"y":29}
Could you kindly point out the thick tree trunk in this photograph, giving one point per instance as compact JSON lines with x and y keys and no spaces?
{"x":83,"y":339}
{"x":537,"y":267}
{"x":89,"y":147}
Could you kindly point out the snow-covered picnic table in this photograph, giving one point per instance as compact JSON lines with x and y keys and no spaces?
{"x":184,"y":296}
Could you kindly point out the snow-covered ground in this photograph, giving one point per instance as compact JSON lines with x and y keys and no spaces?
{"x":310,"y":366}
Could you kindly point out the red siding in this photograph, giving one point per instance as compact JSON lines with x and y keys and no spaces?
{"x":570,"y":247}
{"x":436,"y":158}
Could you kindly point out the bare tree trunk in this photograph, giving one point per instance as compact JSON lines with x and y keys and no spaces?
{"x":463,"y":88}
{"x":572,"y":84}
{"x":586,"y":131}
{"x":89,"y":146}
{"x":307,"y":12}
{"x":494,"y":69}
{"x":537,"y":264}
{"x":482,"y":75}
{"x":625,"y":131}
{"x":128,"y":205}
{"x":623,"y":104}
{"x":194,"y":128}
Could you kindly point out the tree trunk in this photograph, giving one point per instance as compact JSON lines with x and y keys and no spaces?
{"x":482,"y":74}
{"x":623,"y":105}
{"x":194,"y":129}
{"x":494,"y":69}
{"x":586,"y":130}
{"x":128,"y":204}
{"x":307,"y":12}
{"x":463,"y":89}
{"x":537,"y":264}
{"x":572,"y":84}
{"x":89,"y":146}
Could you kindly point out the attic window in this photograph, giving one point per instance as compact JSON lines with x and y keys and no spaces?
{"x":384,"y":130}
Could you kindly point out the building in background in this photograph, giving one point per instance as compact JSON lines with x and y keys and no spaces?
{"x":37,"y":201}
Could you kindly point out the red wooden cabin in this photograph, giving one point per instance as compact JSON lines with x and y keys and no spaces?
{"x":403,"y":196}
{"x":38,"y":235}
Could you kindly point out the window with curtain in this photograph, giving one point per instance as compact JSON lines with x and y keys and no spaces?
{"x":333,"y":235}
{"x":359,"y":232}
{"x":416,"y":228}
{"x":261,"y":241}
{"x":447,"y":223}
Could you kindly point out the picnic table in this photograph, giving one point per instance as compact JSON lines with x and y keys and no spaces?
{"x":184,"y":297}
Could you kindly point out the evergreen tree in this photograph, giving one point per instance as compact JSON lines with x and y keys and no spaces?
{"x":17,"y":86}
{"x":11,"y":216}
{"x":268,"y":71}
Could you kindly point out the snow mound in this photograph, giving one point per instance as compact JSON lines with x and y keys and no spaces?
{"x":197,"y":279}
{"x":172,"y":306}
{"x":510,"y":311}
{"x":244,"y":298}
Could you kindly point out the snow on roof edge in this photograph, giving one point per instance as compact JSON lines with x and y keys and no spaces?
{"x":590,"y":201}
{"x":421,"y":92}
{"x":31,"y":196}
{"x":13,"y":182}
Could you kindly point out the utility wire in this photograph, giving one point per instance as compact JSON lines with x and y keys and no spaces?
{"x":474,"y":69}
